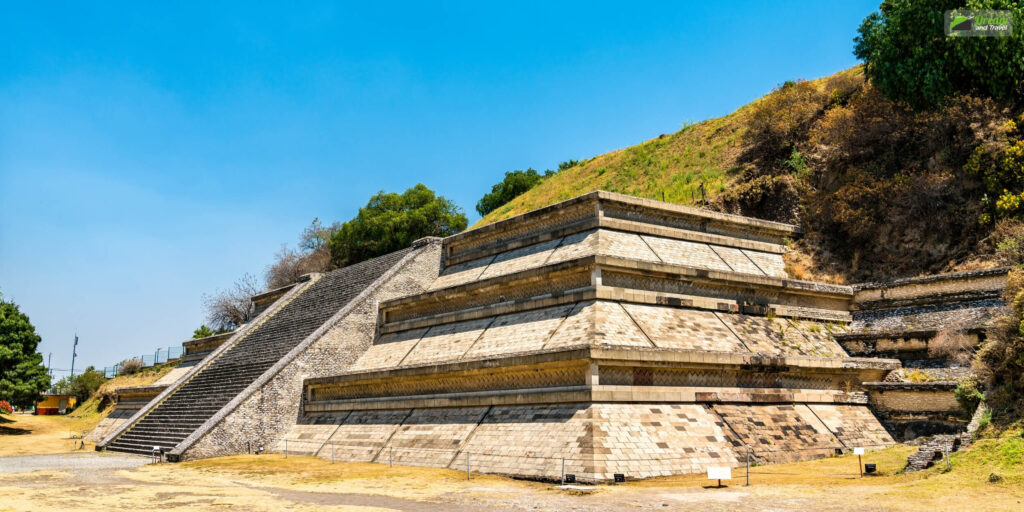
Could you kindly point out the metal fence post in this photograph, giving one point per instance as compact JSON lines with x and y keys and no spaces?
{"x":467,"y":465}
{"x":332,"y":454}
{"x":563,"y":471}
{"x":286,"y":448}
{"x":391,"y":456}
{"x":748,"y":466}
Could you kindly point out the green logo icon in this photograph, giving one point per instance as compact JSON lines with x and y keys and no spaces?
{"x":961,"y":23}
{"x":979,"y":23}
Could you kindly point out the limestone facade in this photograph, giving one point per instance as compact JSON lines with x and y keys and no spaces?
{"x":611,"y":334}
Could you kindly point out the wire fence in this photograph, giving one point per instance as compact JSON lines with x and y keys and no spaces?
{"x":746,"y":462}
{"x":161,"y":356}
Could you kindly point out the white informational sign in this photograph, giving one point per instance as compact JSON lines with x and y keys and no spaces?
{"x":858,"y":451}
{"x":719,"y":473}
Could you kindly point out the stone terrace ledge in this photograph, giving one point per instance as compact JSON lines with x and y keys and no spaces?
{"x":596,"y":374}
{"x":935,"y":289}
{"x":616,"y":211}
{"x":207,"y":344}
{"x":613,"y":278}
{"x":937,"y":385}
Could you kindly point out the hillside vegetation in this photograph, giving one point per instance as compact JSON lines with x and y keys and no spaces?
{"x":880,"y":190}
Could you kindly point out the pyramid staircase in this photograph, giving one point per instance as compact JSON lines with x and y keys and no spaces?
{"x":214,"y":385}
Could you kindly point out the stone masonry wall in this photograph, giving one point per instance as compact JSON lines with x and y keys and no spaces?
{"x":264,"y":417}
{"x":596,"y":440}
{"x":915,"y":401}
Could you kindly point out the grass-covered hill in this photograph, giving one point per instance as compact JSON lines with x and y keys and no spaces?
{"x":879,"y":190}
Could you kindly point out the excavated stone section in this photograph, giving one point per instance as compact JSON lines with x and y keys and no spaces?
{"x":929,"y":317}
{"x":855,"y":426}
{"x":519,"y":332}
{"x":432,"y":437}
{"x":446,"y":342}
{"x":363,"y":435}
{"x":524,"y":258}
{"x":627,"y":245}
{"x":681,"y":252}
{"x":645,"y":441}
{"x":778,"y":433}
{"x":785,"y":336}
{"x":389,"y":350}
{"x":761,"y":335}
{"x":738,"y":261}
{"x":598,"y":323}
{"x":462,"y":273}
{"x":770,"y":264}
{"x":577,"y":245}
{"x":530,"y":441}
{"x":684,"y":329}
{"x":821,"y":336}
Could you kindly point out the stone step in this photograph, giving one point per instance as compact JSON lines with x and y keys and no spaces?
{"x":168,"y":442}
{"x":141,"y":446}
{"x":137,"y":451}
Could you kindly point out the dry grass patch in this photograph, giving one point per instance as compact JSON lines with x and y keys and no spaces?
{"x":25,"y":434}
{"x":836,"y":479}
{"x":319,"y":475}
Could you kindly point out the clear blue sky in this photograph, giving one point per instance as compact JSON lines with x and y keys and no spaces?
{"x":150,"y":154}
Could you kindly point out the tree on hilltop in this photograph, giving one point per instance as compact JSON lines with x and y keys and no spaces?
{"x":515,"y":184}
{"x":908,"y":56}
{"x":227,"y":309}
{"x":392,"y":221}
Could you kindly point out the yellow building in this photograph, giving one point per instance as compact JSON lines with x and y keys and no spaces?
{"x":52,"y":403}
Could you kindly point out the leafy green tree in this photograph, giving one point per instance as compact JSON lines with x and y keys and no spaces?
{"x":392,"y":221}
{"x":22,"y":374}
{"x":87,"y":383}
{"x":564,"y":165}
{"x":202,"y":332}
{"x":908,"y":56}
{"x":82,"y":386}
{"x":515,"y":184}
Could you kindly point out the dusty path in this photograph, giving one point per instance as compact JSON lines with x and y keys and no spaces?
{"x":366,"y":500}
{"x":71,"y":462}
{"x":101,"y":481}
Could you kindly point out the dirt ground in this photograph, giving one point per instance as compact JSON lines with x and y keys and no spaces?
{"x":24,"y":434}
{"x":87,"y":480}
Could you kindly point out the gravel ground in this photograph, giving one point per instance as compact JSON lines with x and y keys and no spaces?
{"x":71,"y":462}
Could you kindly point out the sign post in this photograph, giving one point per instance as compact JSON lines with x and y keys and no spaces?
{"x":719,"y":473}
{"x":858,"y":452}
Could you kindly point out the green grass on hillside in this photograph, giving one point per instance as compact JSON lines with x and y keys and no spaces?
{"x":672,"y":167}
{"x":96,"y":407}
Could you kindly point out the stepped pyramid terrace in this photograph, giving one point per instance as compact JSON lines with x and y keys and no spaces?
{"x":620,"y":334}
